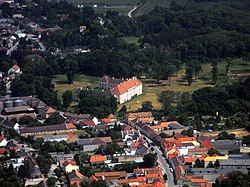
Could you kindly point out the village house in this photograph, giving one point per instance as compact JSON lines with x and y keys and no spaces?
{"x":129,"y":135}
{"x":9,"y":124}
{"x":110,"y":120}
{"x":98,"y":159}
{"x":3,"y":141}
{"x":75,"y":177}
{"x":91,"y":144}
{"x":235,"y":164}
{"x":111,"y":175}
{"x":68,"y":165}
{"x":40,"y":130}
{"x":143,"y":117}
{"x":15,"y":69}
{"x":82,"y":28}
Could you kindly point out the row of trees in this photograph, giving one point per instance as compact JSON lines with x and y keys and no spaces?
{"x":232,"y":100}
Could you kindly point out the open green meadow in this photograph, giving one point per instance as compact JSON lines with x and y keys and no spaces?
{"x":237,"y":70}
{"x":60,"y":82}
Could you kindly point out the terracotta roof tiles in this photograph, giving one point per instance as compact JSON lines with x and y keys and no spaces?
{"x":125,"y":86}
{"x":98,"y":158}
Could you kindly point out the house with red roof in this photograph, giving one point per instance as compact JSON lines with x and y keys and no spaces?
{"x":144,"y":117}
{"x":110,"y":119}
{"x":98,"y":159}
{"x":127,"y":90}
{"x":15,"y":69}
{"x":3,"y":151}
{"x":68,"y":165}
{"x":75,"y":177}
{"x":205,"y":142}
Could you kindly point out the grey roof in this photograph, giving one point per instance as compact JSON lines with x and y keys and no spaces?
{"x":41,"y":129}
{"x":92,"y":141}
{"x":77,"y":116}
{"x":142,"y":150}
{"x":112,"y":80}
{"x":8,"y":123}
{"x":210,"y":177}
{"x":199,"y":170}
{"x":235,"y":162}
{"x":226,"y":144}
{"x":176,"y":126}
{"x":227,"y":170}
{"x":187,"y":144}
{"x":18,"y":109}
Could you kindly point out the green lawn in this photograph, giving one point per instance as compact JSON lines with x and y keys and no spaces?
{"x":122,"y":10}
{"x":149,"y":5}
{"x":238,"y":69}
{"x":150,"y":92}
{"x":131,"y":39}
{"x":105,"y":2}
{"x":60,"y":82}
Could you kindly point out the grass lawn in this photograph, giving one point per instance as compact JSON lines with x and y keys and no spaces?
{"x":238,"y":69}
{"x":122,"y":6}
{"x":131,"y":39}
{"x":60,"y":82}
{"x":105,"y":2}
{"x":150,"y":93}
{"x":149,"y":5}
{"x":237,"y":132}
{"x":121,"y":9}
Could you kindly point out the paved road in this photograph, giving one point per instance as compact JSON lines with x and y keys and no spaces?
{"x":165,"y":166}
{"x":131,"y":11}
{"x":163,"y":163}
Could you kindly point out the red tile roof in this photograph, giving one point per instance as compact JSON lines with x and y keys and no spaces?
{"x":127,"y":128}
{"x":92,"y":179}
{"x":50,"y":110}
{"x":1,"y":138}
{"x":201,"y":149}
{"x":206,"y":143}
{"x":158,"y":184}
{"x":89,"y":123}
{"x":106,"y":120}
{"x":186,"y":138}
{"x":125,"y":86}
{"x":98,"y":158}
{"x":70,"y":126}
{"x":71,"y":137}
{"x":67,"y":162}
{"x":140,"y":115}
{"x":189,"y":159}
{"x":111,"y":116}
{"x":3,"y":150}
{"x":15,"y":67}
